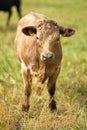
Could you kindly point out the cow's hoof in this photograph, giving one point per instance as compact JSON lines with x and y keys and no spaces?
{"x":25,"y":108}
{"x":52,"y":105}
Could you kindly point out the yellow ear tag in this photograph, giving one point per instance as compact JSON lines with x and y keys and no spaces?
{"x":31,"y":33}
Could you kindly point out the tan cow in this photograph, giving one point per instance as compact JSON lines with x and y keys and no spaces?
{"x":38,"y":49}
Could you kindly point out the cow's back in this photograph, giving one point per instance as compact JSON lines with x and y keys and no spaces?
{"x":5,"y":5}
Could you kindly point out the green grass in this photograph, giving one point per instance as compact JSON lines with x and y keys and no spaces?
{"x":71,"y":90}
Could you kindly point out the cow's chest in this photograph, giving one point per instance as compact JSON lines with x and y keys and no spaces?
{"x":43,"y":72}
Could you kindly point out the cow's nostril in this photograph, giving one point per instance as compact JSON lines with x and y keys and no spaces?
{"x":44,"y":57}
{"x":47,"y":56}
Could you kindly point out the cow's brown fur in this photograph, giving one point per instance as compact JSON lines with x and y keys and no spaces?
{"x":38,"y":49}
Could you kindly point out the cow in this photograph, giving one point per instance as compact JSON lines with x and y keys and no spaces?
{"x":6,"y":5}
{"x":38,"y":49}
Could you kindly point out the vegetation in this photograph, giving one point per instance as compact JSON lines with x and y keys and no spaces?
{"x":71,"y":91}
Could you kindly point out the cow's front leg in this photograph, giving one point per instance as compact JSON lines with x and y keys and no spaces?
{"x":27,"y":87}
{"x":9,"y":17}
{"x":51,"y":89}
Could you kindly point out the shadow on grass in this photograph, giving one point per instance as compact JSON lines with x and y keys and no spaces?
{"x":81,"y":92}
{"x":83,"y":96}
{"x":5,"y":29}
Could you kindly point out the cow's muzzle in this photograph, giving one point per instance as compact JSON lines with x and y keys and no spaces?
{"x":47,"y":57}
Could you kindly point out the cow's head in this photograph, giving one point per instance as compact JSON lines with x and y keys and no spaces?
{"x":47,"y":35}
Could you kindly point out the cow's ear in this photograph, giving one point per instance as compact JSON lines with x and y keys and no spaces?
{"x":66,"y":32}
{"x":29,"y":31}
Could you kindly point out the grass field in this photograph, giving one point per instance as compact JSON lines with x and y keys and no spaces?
{"x":71,"y":90}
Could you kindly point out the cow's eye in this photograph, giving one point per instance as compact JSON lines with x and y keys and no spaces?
{"x":37,"y":38}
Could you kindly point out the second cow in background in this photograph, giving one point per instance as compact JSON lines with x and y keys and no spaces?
{"x":6,"y":5}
